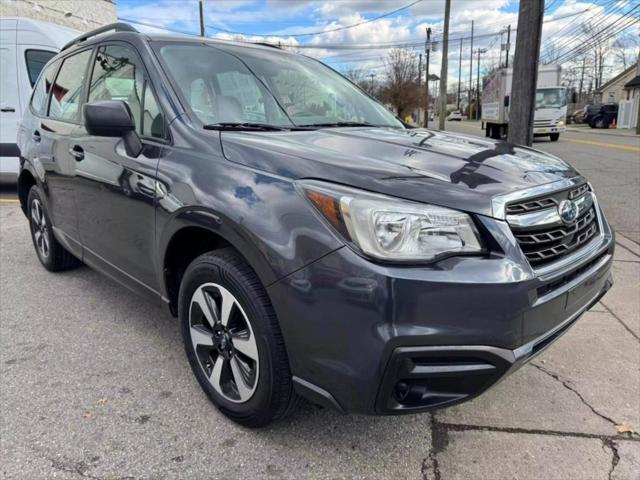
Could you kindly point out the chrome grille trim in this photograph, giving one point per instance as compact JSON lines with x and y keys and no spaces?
{"x":499,"y":202}
{"x":549,"y":216}
{"x":548,"y":244}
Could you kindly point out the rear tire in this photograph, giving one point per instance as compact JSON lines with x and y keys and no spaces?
{"x":233,"y":342}
{"x":53,"y":256}
{"x":554,"y":137}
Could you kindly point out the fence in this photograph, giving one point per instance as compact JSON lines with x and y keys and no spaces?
{"x":628,"y":113}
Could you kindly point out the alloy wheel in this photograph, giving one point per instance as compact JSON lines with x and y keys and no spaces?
{"x":224,"y":343}
{"x":39,"y":228}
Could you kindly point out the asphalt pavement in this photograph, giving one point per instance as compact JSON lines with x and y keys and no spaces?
{"x":94,"y":382}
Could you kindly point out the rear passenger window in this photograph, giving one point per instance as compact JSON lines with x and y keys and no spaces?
{"x":66,"y":92}
{"x":36,"y":60}
{"x":42,"y":88}
{"x":118,"y":74}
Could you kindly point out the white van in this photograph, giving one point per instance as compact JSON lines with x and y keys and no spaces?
{"x":26,"y":45}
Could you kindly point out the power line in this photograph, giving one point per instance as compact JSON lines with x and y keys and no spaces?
{"x":320,"y":32}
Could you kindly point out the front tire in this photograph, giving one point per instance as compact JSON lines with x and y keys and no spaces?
{"x":53,"y":256}
{"x":233,"y":341}
{"x":554,"y":137}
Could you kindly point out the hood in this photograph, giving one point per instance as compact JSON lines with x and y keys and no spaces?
{"x":452,"y":170}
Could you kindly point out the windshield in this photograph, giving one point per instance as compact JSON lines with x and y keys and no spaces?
{"x":550,"y":98}
{"x":238,"y":84}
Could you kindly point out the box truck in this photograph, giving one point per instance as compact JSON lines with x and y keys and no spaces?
{"x":551,"y":103}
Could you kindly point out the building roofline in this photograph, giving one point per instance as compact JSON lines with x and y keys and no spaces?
{"x":615,"y":79}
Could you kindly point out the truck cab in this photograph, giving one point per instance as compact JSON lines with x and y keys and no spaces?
{"x":551,"y":111}
{"x":551,"y":103}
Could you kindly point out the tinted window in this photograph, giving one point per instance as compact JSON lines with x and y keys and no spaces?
{"x":36,"y":60}
{"x":118,"y":74}
{"x":66,"y":92}
{"x":42,"y":88}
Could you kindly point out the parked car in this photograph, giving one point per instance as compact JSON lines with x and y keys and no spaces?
{"x":578,"y":116}
{"x":603,"y":116}
{"x":456,"y":116}
{"x":588,"y":111}
{"x":323,"y":250}
{"x":26,"y":46}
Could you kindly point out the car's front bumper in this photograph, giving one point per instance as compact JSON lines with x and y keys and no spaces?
{"x":373,"y":338}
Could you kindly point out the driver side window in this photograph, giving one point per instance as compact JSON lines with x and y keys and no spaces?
{"x":118,"y":74}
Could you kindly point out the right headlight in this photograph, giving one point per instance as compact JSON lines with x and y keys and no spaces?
{"x":393,"y":229}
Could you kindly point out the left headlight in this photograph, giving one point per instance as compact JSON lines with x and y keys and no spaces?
{"x":393,"y":229}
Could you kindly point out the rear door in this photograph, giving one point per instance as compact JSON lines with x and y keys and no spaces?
{"x":116,"y":193}
{"x":55,"y":135}
{"x":10,"y":107}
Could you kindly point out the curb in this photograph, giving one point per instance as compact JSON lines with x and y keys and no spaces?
{"x":596,"y":131}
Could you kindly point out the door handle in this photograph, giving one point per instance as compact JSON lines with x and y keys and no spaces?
{"x":77,"y":152}
{"x":36,"y":136}
{"x":7,"y":109}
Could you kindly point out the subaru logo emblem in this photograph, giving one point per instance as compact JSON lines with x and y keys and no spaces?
{"x":568,"y":211}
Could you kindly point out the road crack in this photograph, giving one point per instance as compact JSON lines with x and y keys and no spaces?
{"x":568,"y":386}
{"x":626,"y":327}
{"x":615,"y":455}
{"x":430,"y":468}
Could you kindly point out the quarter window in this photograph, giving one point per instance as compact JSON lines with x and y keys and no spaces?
{"x":36,"y":60}
{"x":42,"y":88}
{"x":66,"y":92}
{"x":118,"y":74}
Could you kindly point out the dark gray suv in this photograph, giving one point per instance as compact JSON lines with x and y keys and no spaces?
{"x":310,"y":243}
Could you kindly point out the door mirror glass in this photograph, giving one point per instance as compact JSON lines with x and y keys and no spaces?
{"x":112,"y":118}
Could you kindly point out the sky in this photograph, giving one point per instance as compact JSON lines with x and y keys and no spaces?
{"x":358,"y":34}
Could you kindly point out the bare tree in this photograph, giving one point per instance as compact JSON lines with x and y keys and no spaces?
{"x":601,"y":47}
{"x":401,"y":89}
{"x":625,"y":49}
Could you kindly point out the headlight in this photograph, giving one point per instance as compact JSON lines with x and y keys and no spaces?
{"x":560,"y":123}
{"x":392,"y":229}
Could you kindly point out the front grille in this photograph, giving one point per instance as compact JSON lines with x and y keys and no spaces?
{"x":545,"y":243}
{"x":542,"y":123}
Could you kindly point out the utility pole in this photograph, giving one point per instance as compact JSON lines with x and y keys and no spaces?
{"x":506,"y":63}
{"x":371,"y":84}
{"x":459,"y":74}
{"x":480,"y":50}
{"x":201,"y":7}
{"x":419,"y":84}
{"x":427,"y":48}
{"x":525,"y":72}
{"x":470,"y":69}
{"x":581,"y":80}
{"x":444,"y":65}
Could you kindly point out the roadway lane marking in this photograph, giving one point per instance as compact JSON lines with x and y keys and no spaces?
{"x":602,"y":144}
{"x":8,"y":200}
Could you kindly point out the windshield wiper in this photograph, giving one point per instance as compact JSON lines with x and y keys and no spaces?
{"x":340,"y":124}
{"x":247,"y":126}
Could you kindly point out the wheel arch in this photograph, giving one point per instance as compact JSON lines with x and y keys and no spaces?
{"x":196,"y":231}
{"x":26,"y":180}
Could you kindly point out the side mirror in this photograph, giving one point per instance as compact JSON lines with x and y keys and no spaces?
{"x":113,"y":118}
{"x":506,"y":100}
{"x":574,"y":97}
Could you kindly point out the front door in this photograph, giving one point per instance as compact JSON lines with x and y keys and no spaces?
{"x":115,"y":193}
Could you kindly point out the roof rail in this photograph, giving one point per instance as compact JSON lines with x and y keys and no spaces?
{"x":116,"y":27}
